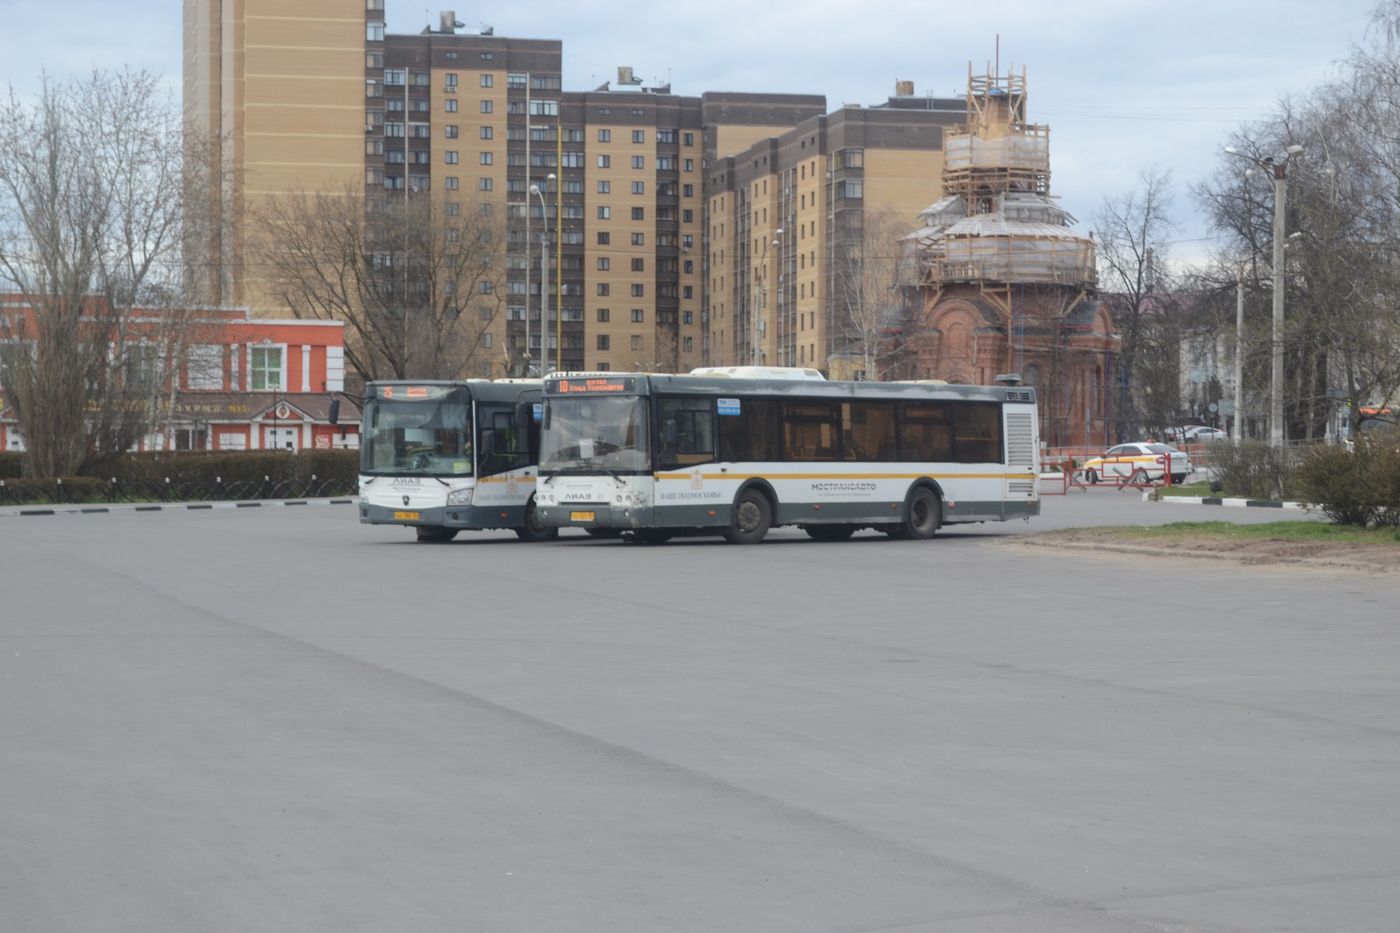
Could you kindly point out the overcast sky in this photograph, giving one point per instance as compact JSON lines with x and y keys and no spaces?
{"x":1123,"y":84}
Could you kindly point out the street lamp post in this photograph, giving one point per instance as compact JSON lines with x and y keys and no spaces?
{"x":760,"y":293}
{"x":544,"y":278}
{"x":1278,"y":170}
{"x":1239,"y":355}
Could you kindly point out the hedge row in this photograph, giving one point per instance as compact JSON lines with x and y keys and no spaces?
{"x":193,"y":475}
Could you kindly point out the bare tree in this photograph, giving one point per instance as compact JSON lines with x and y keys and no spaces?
{"x":873,"y":270}
{"x":418,"y":290}
{"x":92,"y":205}
{"x":1133,"y":228}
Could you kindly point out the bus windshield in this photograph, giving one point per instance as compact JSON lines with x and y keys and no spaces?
{"x":421,"y":437}
{"x":595,"y":434}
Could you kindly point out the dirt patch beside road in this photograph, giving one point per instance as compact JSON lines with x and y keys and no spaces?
{"x":1330,"y":555}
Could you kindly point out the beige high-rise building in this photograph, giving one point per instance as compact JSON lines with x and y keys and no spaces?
{"x":660,"y":213}
{"x":277,"y":87}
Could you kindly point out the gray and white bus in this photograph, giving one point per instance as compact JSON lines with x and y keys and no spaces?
{"x":659,"y":455}
{"x":441,"y":457}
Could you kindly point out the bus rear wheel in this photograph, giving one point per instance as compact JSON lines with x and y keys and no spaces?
{"x":435,"y":533}
{"x":922,"y":516}
{"x":829,"y":532}
{"x":533,"y":530}
{"x":753,"y":516}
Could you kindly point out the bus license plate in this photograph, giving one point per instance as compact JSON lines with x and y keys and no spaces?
{"x":406,"y":516}
{"x":582,"y":516}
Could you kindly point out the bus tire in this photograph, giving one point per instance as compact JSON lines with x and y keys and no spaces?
{"x":753,"y":516}
{"x":923,"y":515}
{"x":435,"y":534}
{"x":829,"y":532}
{"x":533,"y":530}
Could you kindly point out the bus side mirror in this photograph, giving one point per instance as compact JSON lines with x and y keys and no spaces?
{"x":333,"y":416}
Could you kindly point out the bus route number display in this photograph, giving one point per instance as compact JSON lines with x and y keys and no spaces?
{"x":594,"y":386}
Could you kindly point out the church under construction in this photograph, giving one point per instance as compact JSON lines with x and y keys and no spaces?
{"x":1004,"y":285}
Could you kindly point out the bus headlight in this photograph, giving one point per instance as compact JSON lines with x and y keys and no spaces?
{"x":460,"y":496}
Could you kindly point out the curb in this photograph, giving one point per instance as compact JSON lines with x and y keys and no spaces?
{"x":15,"y":511}
{"x":1238,"y":503}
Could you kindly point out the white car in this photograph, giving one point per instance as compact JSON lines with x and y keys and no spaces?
{"x":1141,"y":461}
{"x":1205,"y":435}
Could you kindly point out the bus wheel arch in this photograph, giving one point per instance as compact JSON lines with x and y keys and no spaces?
{"x":753,"y":513}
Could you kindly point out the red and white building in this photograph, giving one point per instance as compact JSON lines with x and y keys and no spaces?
{"x":245,"y":383}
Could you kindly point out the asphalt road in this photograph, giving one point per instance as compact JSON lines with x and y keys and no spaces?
{"x":277,"y":719}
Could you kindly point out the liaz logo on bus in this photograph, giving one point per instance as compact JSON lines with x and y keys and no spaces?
{"x":593,"y":385}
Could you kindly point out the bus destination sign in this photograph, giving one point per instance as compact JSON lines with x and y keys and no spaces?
{"x":594,"y":385}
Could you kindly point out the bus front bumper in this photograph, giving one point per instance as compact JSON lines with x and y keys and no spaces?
{"x":451,"y":516}
{"x":595,"y":515}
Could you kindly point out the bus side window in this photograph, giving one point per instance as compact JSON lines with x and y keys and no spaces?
{"x":687,"y":432}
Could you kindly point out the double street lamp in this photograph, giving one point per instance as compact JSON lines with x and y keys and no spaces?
{"x":544,"y":273}
{"x":1277,"y":168}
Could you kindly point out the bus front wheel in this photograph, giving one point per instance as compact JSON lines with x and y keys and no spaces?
{"x":752,"y":518}
{"x":533,"y":529}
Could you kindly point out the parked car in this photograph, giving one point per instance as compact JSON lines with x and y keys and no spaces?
{"x":1205,"y":435}
{"x":1178,"y":433}
{"x":1142,"y":462}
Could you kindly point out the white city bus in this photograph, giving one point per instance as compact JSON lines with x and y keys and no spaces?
{"x":446,"y":456}
{"x":658,"y":455}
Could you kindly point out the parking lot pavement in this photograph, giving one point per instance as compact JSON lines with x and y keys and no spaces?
{"x":279,"y":719}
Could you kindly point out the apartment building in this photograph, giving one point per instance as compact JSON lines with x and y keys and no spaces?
{"x":634,"y":217}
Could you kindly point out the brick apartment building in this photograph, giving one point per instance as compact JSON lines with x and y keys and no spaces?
{"x":660,"y":210}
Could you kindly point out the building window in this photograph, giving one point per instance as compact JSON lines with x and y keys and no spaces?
{"x":605,"y":136}
{"x":689,"y":165}
{"x":639,"y":239}
{"x":688,"y":344}
{"x":639,"y":161}
{"x":604,"y":263}
{"x":639,"y":316}
{"x":636,"y":342}
{"x":484,"y":184}
{"x":488,"y":79}
{"x":604,"y":238}
{"x":449,"y":81}
{"x":639,"y":213}
{"x":666,"y":136}
{"x":515,"y":80}
{"x":265,"y":368}
{"x":687,"y":317}
{"x":374,"y":32}
{"x":638,"y":290}
{"x":604,"y":161}
{"x":451,"y":157}
{"x":639,"y":187}
{"x":486,"y":158}
{"x":573,"y":160}
{"x":488,"y":106}
{"x":639,"y":136}
{"x":687,"y":191}
{"x":602,"y":341}
{"x":688,"y":216}
{"x":488,"y":132}
{"x":394,"y":76}
{"x":639,"y":264}
{"x":688,"y":139}
{"x":604,"y":212}
{"x":374,"y":60}
{"x":453,"y":208}
{"x":603,"y":315}
{"x":605,"y":187}
{"x":544,"y":108}
{"x":603,"y":289}
{"x":449,"y":105}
